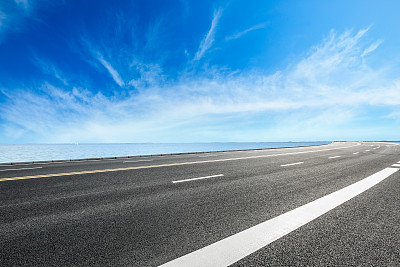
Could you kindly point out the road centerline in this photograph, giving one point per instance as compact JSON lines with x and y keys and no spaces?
{"x":169,"y":164}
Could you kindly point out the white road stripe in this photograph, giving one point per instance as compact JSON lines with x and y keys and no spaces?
{"x":355,"y":153}
{"x":19,"y":169}
{"x":396,"y":165}
{"x":334,"y":157}
{"x":290,"y":164}
{"x":167,"y":165}
{"x":131,"y":161}
{"x":234,"y":248}
{"x":205,"y":156}
{"x":367,"y":150}
{"x":199,"y":178}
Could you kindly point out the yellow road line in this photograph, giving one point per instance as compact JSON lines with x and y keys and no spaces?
{"x":162,"y":165}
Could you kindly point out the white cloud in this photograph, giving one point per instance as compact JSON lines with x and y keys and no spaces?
{"x":240,"y":34}
{"x":208,"y":40}
{"x":315,"y":97}
{"x":114,"y":74}
{"x":22,"y":3}
{"x":371,"y":48}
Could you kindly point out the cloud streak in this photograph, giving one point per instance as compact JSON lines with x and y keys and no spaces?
{"x":208,"y":40}
{"x":114,"y":74}
{"x":240,"y":34}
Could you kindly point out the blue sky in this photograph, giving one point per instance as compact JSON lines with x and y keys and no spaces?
{"x":198,"y":71}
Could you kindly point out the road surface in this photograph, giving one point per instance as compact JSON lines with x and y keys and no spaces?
{"x":329,"y":205}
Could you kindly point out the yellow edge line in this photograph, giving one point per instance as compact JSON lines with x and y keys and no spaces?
{"x":161,"y":165}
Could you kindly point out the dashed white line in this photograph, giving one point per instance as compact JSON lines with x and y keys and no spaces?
{"x":367,"y":150}
{"x":396,"y":165}
{"x":19,"y":169}
{"x":291,"y":164}
{"x":334,"y":157}
{"x":205,"y":156}
{"x":198,"y":178}
{"x":234,"y":248}
{"x":166,"y":165}
{"x":355,"y":153}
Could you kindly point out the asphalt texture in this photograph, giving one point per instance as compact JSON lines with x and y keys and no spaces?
{"x":137,"y":216}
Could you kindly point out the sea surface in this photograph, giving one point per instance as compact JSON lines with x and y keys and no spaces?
{"x":42,"y":152}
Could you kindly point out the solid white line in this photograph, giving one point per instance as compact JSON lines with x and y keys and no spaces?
{"x":231,"y":249}
{"x":21,"y":169}
{"x":334,"y":157}
{"x":199,"y":178}
{"x":355,"y":153}
{"x":396,"y":165}
{"x":290,"y":164}
{"x":131,"y":161}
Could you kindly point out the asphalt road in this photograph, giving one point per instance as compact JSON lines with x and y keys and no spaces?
{"x":148,"y":211}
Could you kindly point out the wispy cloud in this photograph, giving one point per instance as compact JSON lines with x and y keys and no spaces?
{"x":22,"y":3}
{"x":240,"y":34}
{"x":311,"y":98}
{"x":13,"y":14}
{"x":208,"y":40}
{"x":114,"y":74}
{"x":372,"y":48}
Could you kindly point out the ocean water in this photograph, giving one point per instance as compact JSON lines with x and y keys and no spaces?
{"x":41,"y":152}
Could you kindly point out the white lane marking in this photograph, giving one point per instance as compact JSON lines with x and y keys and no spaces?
{"x":367,"y":150}
{"x":205,"y":156}
{"x":141,"y":160}
{"x":334,"y":157}
{"x":290,"y":164}
{"x":199,"y":178}
{"x":167,"y":165}
{"x":355,"y":153}
{"x":234,"y":248}
{"x":19,"y":169}
{"x":372,"y":145}
{"x":396,"y":165}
